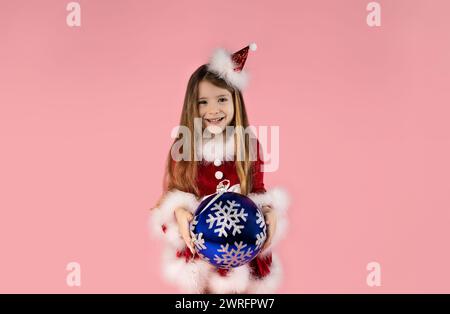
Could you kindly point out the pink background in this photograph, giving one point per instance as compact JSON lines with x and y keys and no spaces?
{"x":86,"y":114}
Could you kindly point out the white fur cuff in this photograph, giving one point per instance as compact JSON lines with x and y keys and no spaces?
{"x":278,"y":199}
{"x":164,"y":215}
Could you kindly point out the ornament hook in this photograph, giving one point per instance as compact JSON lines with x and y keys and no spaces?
{"x":223,"y":186}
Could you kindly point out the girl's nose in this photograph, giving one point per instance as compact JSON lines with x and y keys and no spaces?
{"x":214,"y":107}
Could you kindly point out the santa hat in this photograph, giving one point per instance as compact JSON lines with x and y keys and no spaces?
{"x":230,"y":66}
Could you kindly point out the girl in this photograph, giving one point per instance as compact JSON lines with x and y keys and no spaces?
{"x":214,"y":97}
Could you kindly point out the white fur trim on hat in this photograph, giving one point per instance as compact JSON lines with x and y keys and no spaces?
{"x":222,"y":64}
{"x":164,"y":215}
{"x":278,"y":199}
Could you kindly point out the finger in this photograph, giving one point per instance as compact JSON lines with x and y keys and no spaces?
{"x":269,"y":219}
{"x":266,"y":245}
{"x":188,"y":239}
{"x":272,"y":227}
{"x":191,"y":247}
{"x":267,"y":242}
{"x":269,"y":238}
{"x":190,"y":244}
{"x":186,"y":234}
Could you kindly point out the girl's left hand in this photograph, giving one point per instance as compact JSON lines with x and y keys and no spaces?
{"x":271,"y":222}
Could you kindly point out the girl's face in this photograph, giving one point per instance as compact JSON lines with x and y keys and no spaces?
{"x":215,"y":106}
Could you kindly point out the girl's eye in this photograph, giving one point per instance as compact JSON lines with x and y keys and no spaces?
{"x":222,"y":99}
{"x":201,"y":102}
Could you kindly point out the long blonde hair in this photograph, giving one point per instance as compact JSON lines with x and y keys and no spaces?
{"x":182,"y":175}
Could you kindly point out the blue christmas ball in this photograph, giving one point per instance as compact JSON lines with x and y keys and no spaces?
{"x":228,"y":230}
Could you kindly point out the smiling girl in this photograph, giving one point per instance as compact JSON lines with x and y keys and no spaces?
{"x":213,"y":96}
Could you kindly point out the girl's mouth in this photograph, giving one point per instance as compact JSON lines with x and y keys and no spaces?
{"x":215,"y":121}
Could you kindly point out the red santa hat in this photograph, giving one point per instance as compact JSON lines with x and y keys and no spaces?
{"x":230,"y":66}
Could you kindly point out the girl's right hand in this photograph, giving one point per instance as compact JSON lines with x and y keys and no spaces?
{"x":184,"y":217}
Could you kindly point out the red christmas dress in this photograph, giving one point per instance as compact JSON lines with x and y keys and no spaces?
{"x":194,"y":275}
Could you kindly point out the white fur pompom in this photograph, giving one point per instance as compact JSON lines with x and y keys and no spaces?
{"x":222,"y":65}
{"x":220,"y":62}
{"x":253,"y":46}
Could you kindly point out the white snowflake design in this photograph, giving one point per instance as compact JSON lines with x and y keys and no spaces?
{"x":260,"y":239}
{"x":260,"y":219}
{"x":199,"y":242}
{"x":234,"y":257}
{"x":197,"y":239}
{"x":226,"y":217}
{"x":203,"y":256}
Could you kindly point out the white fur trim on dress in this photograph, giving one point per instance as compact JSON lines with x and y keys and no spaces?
{"x":212,"y":148}
{"x":189,"y":277}
{"x":222,"y":64}
{"x":164,"y":215}
{"x":269,"y":283}
{"x":197,"y":275}
{"x":278,"y":199}
{"x":236,"y":280}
